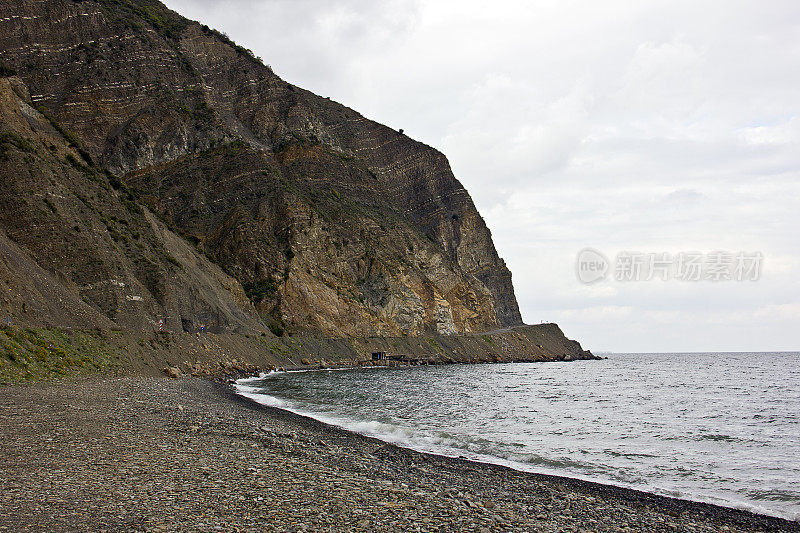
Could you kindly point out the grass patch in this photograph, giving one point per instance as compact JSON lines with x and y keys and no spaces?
{"x":12,"y":138}
{"x":71,"y":138}
{"x":171,"y":259}
{"x":276,"y":329}
{"x":166,"y":23}
{"x":240,"y":50}
{"x":259,"y":289}
{"x":434,"y":344}
{"x":29,"y":354}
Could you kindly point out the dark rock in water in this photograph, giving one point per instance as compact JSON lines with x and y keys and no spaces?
{"x":233,"y":201}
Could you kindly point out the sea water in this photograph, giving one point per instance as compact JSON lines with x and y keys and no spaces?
{"x":722,"y":428}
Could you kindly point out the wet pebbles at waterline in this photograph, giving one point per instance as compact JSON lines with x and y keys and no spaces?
{"x":722,"y":428}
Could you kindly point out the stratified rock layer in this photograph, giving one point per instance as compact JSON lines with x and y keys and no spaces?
{"x":329,"y":222}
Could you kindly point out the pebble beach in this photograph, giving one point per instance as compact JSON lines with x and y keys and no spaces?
{"x":158,"y":454}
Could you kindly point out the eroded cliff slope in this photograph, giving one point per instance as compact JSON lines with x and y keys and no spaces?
{"x":224,"y":180}
{"x":77,"y":250}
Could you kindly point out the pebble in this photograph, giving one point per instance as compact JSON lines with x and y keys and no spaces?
{"x":246,"y":469}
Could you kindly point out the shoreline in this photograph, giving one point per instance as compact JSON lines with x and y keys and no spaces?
{"x":30,"y":354}
{"x":494,"y":460}
{"x":159,"y":454}
{"x":502,"y":463}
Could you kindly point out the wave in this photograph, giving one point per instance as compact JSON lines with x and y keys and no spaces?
{"x":451,"y":446}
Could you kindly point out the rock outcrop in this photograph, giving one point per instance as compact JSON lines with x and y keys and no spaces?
{"x":155,"y":169}
{"x":77,"y":249}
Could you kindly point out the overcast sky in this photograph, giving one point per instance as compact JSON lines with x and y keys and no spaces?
{"x":653,"y":127}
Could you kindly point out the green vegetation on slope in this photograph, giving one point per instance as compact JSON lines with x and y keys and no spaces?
{"x":37,"y":354}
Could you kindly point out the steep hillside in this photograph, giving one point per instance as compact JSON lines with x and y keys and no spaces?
{"x":77,"y":250}
{"x":330,"y":222}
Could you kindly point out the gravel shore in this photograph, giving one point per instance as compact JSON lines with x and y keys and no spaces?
{"x":148,"y":454}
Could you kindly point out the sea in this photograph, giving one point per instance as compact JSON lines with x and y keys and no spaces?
{"x":722,"y":428}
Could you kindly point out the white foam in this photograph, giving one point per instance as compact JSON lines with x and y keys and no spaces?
{"x":263,"y":399}
{"x":251,"y":379}
{"x":420,"y":441}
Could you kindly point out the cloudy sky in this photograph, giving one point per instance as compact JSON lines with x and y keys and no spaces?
{"x":646,"y":127}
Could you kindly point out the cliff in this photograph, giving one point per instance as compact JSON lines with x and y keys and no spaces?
{"x":331,"y":223}
{"x":154,"y":170}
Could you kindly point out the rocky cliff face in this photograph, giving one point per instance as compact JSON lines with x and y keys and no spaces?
{"x":329,"y":222}
{"x":77,"y":250}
